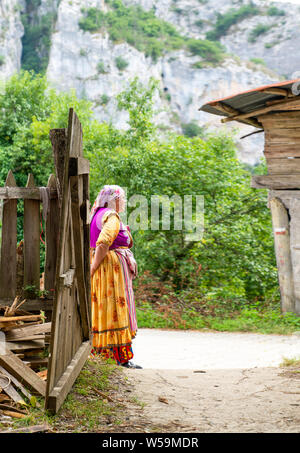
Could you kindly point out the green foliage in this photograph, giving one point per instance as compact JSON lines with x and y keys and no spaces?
{"x":143,"y":30}
{"x":2,"y":60}
{"x":260,"y":29}
{"x":121,"y":63}
{"x":208,"y":50}
{"x":104,"y":99}
{"x":258,"y":61}
{"x":234,"y":261}
{"x":231,"y":17}
{"x":274,"y":11}
{"x":36,"y":41}
{"x":101,"y":67}
{"x":192,"y":130}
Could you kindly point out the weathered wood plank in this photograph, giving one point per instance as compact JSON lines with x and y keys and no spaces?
{"x":9,"y":244}
{"x":283,"y":166}
{"x":25,"y":345}
{"x":276,"y":181}
{"x":78,"y":166}
{"x":25,"y":193}
{"x":76,"y":197}
{"x":22,"y":372}
{"x":281,"y":232}
{"x":51,"y":240}
{"x":64,"y":385}
{"x":294,"y":223}
{"x":26,"y":331}
{"x":278,"y":152}
{"x":31,"y":241}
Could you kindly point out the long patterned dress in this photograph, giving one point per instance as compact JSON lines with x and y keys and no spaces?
{"x":113,"y":308}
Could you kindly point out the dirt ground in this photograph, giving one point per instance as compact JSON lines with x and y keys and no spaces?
{"x":255,"y":400}
{"x":214,"y":382}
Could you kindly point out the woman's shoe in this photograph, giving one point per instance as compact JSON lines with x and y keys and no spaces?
{"x":131,"y":365}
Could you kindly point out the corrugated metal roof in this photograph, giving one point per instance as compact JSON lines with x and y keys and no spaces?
{"x":250,"y":100}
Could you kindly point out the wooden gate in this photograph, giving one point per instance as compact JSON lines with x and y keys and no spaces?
{"x":70,"y":334}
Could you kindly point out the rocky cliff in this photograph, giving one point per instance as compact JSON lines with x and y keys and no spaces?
{"x":260,"y":45}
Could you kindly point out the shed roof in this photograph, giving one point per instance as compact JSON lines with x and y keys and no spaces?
{"x":252,"y":101}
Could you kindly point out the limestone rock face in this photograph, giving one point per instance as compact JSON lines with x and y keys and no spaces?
{"x":11,"y":32}
{"x":88,"y":62}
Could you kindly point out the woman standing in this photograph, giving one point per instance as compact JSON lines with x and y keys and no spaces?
{"x":113,"y":267}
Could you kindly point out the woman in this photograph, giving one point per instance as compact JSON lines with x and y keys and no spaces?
{"x":113,"y":267}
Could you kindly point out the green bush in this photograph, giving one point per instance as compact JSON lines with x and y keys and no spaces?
{"x":258,"y":61}
{"x":192,"y":130}
{"x":101,"y":68}
{"x":231,"y":17}
{"x":104,"y":99}
{"x":139,"y":28}
{"x":210,"y":51}
{"x":274,"y":11}
{"x":2,"y":60}
{"x":121,"y":63}
{"x":260,"y":29}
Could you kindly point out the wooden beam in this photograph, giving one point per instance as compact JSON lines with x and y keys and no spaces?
{"x":229,"y":110}
{"x":23,"y":373}
{"x":276,"y":181}
{"x":24,"y":193}
{"x":277,"y":91}
{"x":262,"y":110}
{"x":65,"y":383}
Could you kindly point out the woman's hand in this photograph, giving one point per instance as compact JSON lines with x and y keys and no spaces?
{"x":101,"y":251}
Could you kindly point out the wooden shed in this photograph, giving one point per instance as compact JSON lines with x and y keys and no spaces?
{"x":275,"y":109}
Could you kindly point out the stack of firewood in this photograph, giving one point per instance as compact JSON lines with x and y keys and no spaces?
{"x":23,"y":345}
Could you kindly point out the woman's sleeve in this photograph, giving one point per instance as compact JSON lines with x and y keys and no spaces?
{"x":110,"y":229}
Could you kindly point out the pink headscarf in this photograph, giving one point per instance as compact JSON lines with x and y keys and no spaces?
{"x":107,"y":194}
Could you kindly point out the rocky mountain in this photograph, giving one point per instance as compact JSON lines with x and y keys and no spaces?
{"x":199,"y":50}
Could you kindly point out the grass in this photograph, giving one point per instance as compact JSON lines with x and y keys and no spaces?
{"x":83,"y":410}
{"x":266,"y":320}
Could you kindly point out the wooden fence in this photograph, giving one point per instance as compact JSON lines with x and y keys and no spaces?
{"x":20,"y":263}
{"x":65,"y":203}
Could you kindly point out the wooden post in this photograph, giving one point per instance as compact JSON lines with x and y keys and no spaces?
{"x":31,"y":242}
{"x":9,"y":244}
{"x":51,"y":239}
{"x":283,"y":254}
{"x":295,"y":248}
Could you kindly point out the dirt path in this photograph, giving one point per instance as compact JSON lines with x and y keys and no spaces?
{"x":205,"y":397}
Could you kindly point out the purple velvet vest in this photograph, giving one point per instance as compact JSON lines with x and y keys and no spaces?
{"x":122,"y":240}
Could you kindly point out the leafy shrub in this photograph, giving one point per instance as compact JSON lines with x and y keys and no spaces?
{"x":101,"y":67}
{"x":274,"y":11}
{"x":208,"y":50}
{"x":258,"y":61}
{"x":104,"y":99}
{"x":260,"y":29}
{"x":231,"y":17}
{"x":121,"y":63}
{"x":2,"y":60}
{"x":139,"y":28}
{"x":192,"y":130}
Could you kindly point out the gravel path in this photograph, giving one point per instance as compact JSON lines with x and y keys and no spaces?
{"x":165,"y":349}
{"x":216,"y":382}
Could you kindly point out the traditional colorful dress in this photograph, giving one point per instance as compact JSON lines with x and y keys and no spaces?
{"x":114,"y":322}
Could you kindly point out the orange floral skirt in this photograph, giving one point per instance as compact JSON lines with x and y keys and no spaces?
{"x":112,"y":336}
